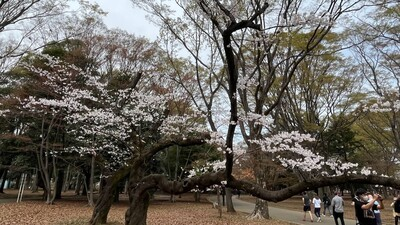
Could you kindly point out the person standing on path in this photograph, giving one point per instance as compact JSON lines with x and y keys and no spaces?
{"x":364,"y":208}
{"x":338,"y":208}
{"x":307,"y":206}
{"x":396,"y":209}
{"x":327,"y":204}
{"x":377,"y":212}
{"x":317,"y":207}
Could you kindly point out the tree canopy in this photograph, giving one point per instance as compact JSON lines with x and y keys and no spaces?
{"x":307,"y":93}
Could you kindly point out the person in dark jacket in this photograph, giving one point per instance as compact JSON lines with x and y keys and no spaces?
{"x":327,"y":205}
{"x":364,"y":207}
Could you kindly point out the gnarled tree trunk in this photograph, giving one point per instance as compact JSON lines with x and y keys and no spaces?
{"x":103,"y":204}
{"x":260,"y":210}
{"x":106,"y":197}
{"x":139,"y":204}
{"x":139,"y":198}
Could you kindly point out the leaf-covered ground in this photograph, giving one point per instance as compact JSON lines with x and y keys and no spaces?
{"x":74,"y":211}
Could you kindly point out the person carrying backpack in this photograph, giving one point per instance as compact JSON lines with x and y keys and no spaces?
{"x":327,"y":204}
{"x":396,"y":209}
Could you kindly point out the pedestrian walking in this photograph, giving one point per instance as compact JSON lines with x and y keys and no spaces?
{"x":364,"y":208}
{"x":338,"y":208}
{"x":307,"y":206}
{"x":327,"y":205}
{"x":317,"y":207}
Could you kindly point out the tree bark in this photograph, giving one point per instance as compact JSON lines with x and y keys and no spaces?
{"x":103,"y":203}
{"x":3,"y":181}
{"x":229,"y":203}
{"x":137,"y":212}
{"x":59,"y":184}
{"x":106,"y":196}
{"x":260,"y":210}
{"x":91,"y":181}
{"x":18,"y":181}
{"x":78,"y":184}
{"x":139,"y":198}
{"x":67,"y":180}
{"x":35,"y":181}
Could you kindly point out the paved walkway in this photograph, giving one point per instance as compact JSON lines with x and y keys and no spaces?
{"x":295,"y":217}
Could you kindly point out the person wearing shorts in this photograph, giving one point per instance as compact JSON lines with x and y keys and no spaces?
{"x":307,"y":206}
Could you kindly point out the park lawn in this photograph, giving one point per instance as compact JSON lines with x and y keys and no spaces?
{"x":75,"y":211}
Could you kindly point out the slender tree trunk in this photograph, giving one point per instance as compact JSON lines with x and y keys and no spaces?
{"x":3,"y":180}
{"x":35,"y":181}
{"x":91,"y":182}
{"x":219,"y":201}
{"x":229,"y":203}
{"x":86,"y":180}
{"x":18,"y":181}
{"x":59,"y":184}
{"x":78,"y":184}
{"x":47,"y":185}
{"x":55,"y":175}
{"x":126,"y":186}
{"x":28,"y":179}
{"x":67,"y":180}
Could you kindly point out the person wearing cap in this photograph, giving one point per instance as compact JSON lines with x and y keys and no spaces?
{"x":364,"y":207}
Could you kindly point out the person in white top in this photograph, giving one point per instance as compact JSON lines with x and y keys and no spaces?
{"x":317,"y":207}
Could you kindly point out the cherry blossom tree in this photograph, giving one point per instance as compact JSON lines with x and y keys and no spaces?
{"x":249,"y":53}
{"x":122,"y":116}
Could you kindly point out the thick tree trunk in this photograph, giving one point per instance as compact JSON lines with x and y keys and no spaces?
{"x":260,"y":210}
{"x":137,"y":212}
{"x":139,"y":198}
{"x":103,"y":203}
{"x":106,"y":196}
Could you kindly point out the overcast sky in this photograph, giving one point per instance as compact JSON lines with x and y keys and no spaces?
{"x":122,"y":14}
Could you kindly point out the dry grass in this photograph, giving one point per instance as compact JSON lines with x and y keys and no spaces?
{"x":72,"y":210}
